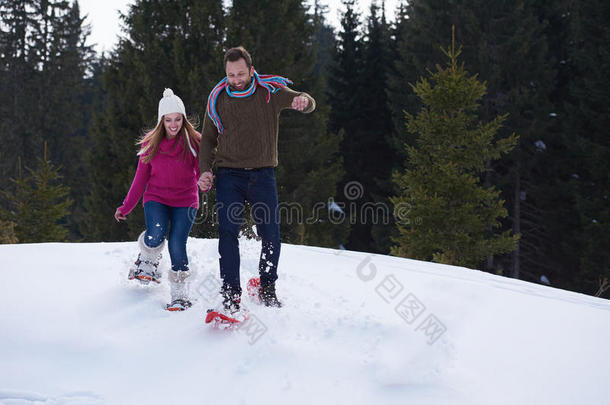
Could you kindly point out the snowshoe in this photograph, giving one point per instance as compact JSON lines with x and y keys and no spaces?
{"x":252,"y":287}
{"x":145,"y":266}
{"x":218,"y":318}
{"x":179,"y":305}
{"x":143,"y":273}
{"x":263,"y":294}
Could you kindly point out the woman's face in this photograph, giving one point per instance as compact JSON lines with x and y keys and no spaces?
{"x":172,"y":123}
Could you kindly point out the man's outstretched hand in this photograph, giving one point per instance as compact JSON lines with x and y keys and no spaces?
{"x":300,"y":103}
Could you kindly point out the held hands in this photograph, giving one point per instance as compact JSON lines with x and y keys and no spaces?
{"x":118,"y":215}
{"x":300,"y":103}
{"x":205,"y":181}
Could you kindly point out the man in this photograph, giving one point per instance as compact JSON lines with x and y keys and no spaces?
{"x":240,"y":133}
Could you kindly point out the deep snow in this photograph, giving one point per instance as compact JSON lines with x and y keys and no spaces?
{"x":355,"y":329}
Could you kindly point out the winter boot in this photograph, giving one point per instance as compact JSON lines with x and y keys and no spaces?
{"x":179,"y":290}
{"x":267,"y":295}
{"x":133,"y":271}
{"x":230,"y":299}
{"x":148,"y":262}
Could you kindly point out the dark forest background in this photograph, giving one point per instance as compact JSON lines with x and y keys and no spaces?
{"x":69,"y":119}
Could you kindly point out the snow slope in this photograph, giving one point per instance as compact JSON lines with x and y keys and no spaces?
{"x":355,"y":329}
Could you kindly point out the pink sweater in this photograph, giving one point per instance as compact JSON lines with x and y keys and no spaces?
{"x":169,"y":178}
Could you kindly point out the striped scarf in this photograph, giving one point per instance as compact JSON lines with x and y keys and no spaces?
{"x":270,"y":82}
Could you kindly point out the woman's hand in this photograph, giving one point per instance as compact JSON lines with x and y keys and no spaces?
{"x":118,"y":215}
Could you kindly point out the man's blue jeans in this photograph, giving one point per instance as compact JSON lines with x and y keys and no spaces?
{"x":158,"y":216}
{"x":258,"y":187}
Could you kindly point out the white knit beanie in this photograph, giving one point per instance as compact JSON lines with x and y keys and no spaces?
{"x":170,"y":103}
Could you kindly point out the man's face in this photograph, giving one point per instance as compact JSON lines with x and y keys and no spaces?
{"x":238,"y":74}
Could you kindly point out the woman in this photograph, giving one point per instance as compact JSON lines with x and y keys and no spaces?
{"x":167,"y":176}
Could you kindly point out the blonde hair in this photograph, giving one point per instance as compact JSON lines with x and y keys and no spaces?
{"x":152,"y":138}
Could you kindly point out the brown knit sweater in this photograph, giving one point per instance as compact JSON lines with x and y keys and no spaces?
{"x":249,"y":139}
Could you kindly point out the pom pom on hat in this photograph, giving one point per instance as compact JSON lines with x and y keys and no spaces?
{"x":170,"y":103}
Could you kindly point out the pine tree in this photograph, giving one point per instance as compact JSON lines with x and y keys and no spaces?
{"x":449,"y":211}
{"x":418,"y":32}
{"x":550,"y":244}
{"x":64,"y":105}
{"x":376,"y":137}
{"x":324,"y":42}
{"x":7,"y":232}
{"x":358,"y":93}
{"x":279,"y":36}
{"x":39,"y":204}
{"x":344,"y":74}
{"x":7,"y":227}
{"x":17,"y":69}
{"x":588,"y":122}
{"x":396,"y":88}
{"x":506,"y":44}
{"x":512,"y":55}
{"x":346,"y":118}
{"x":45,"y":62}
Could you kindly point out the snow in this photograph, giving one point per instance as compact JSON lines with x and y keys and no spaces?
{"x":333,"y":206}
{"x":540,"y":145}
{"x":355,"y":328}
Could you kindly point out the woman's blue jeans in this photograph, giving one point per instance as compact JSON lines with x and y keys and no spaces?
{"x":179,"y":220}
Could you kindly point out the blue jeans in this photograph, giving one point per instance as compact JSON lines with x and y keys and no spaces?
{"x":258,"y":187}
{"x":158,"y":216}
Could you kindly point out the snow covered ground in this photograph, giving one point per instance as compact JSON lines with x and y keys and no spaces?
{"x":355,"y":329}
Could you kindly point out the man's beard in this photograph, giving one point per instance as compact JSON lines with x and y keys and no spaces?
{"x":246,"y":85}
